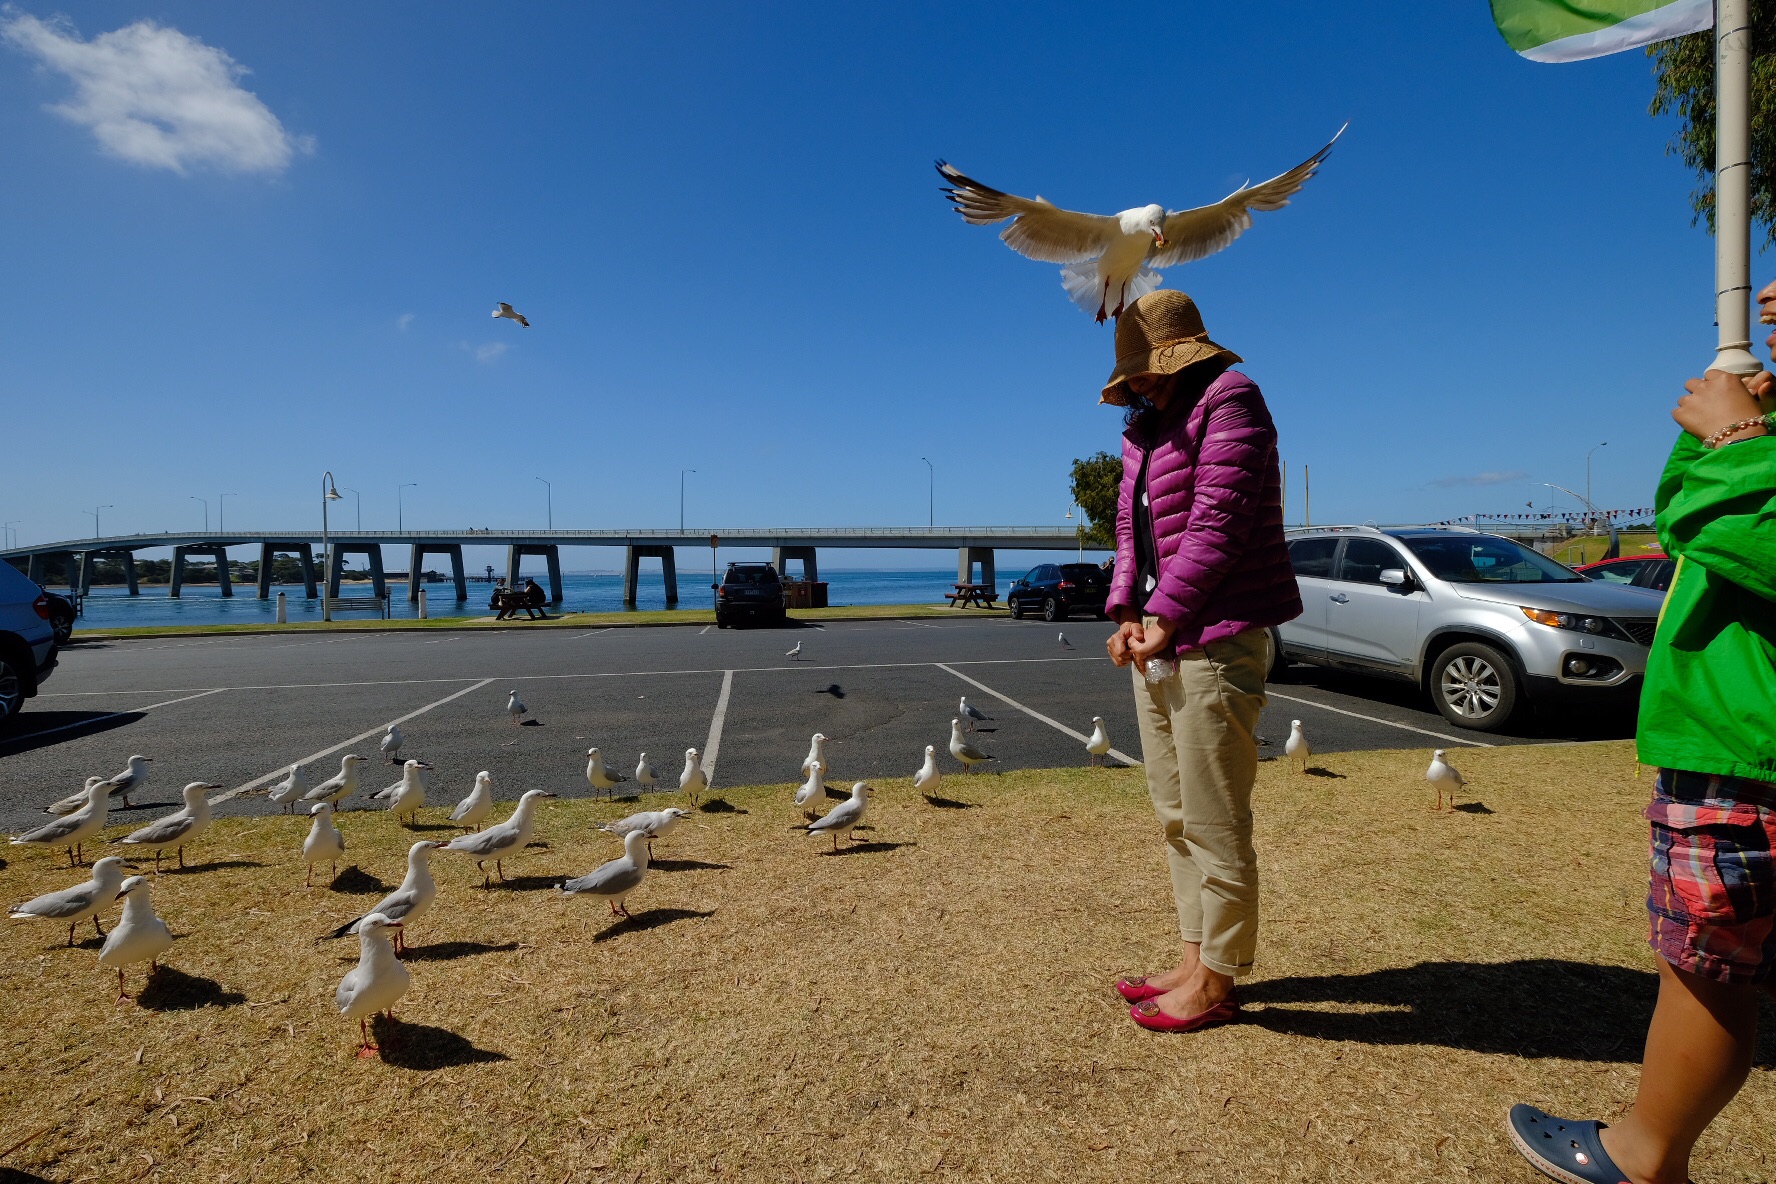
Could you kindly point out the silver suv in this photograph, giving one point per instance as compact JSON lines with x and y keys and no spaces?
{"x":1479,"y":622}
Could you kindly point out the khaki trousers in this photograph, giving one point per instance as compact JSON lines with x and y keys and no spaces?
{"x":1200,"y":745}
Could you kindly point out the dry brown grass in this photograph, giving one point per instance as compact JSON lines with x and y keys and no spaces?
{"x":937,"y":1005}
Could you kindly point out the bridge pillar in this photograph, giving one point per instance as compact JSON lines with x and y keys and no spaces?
{"x":373,"y":554}
{"x":416,"y":560}
{"x":270,"y":550}
{"x":782,"y":555}
{"x":967,"y":557}
{"x":632,"y":571}
{"x":38,"y":567}
{"x":551,"y":554}
{"x":90,"y":559}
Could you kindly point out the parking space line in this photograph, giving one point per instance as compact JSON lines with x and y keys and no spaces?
{"x":712,"y":746}
{"x":1375,"y":719}
{"x":1056,"y":724}
{"x":594,"y":633}
{"x":704,"y":630}
{"x":315,"y":756}
{"x":99,"y":719}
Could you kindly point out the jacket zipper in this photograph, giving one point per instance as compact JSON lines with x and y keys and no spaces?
{"x":1152,"y":534}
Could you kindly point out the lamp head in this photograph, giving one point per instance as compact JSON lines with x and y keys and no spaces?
{"x":333,"y":493}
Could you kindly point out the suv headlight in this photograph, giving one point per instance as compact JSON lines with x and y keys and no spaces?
{"x":1572,"y":621}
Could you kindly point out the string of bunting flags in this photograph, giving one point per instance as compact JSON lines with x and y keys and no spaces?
{"x":1617,"y":517}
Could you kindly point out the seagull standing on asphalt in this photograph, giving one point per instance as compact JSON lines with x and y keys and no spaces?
{"x":816,"y":754}
{"x":845,"y":816}
{"x":408,"y":903}
{"x":644,"y":775}
{"x":73,"y":830}
{"x":1297,"y":747}
{"x":323,"y":842}
{"x":795,"y":652}
{"x":133,"y":779}
{"x":289,"y":791}
{"x":508,"y":313}
{"x":693,"y":781}
{"x":971,"y":714}
{"x":376,"y":982}
{"x":927,"y":779}
{"x":406,"y":797}
{"x":612,"y":881}
{"x":600,"y":777}
{"x":1444,"y":778}
{"x":79,"y":902}
{"x":139,"y":937}
{"x":473,"y":810}
{"x":178,"y":828}
{"x":504,"y":840}
{"x":342,"y":785}
{"x":515,"y":707}
{"x":391,"y":744}
{"x":962,"y":750}
{"x":656,"y":824}
{"x":1065,"y":644}
{"x":811,"y":793}
{"x":1099,"y":744}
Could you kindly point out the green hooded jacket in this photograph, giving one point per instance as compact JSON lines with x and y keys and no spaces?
{"x":1709,"y":704}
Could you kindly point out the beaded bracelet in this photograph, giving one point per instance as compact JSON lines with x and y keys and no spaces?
{"x":1767,"y":421}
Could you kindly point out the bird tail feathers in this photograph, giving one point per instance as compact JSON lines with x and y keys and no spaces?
{"x":344,"y":929}
{"x":1085,"y":287}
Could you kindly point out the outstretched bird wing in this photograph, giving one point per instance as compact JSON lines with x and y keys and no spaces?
{"x":1039,"y":230}
{"x":1194,"y":234}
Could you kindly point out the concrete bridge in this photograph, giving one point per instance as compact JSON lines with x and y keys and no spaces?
{"x":975,"y":547}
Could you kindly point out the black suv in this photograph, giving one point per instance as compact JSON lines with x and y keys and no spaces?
{"x":751,"y":591}
{"x":1059,"y":590}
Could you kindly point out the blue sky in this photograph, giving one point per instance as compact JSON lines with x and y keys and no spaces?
{"x":723,"y":223}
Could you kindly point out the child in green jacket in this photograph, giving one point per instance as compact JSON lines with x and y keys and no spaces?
{"x":1708,"y":722}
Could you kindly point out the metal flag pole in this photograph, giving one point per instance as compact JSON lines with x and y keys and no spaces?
{"x":1732,"y":186}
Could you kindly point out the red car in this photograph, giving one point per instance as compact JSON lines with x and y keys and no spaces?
{"x":1652,"y":570}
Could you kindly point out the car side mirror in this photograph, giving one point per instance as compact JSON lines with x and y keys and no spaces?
{"x":1395,"y":577}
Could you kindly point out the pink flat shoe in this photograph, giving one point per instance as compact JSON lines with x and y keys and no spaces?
{"x":1136,"y":990}
{"x":1149,"y":1016}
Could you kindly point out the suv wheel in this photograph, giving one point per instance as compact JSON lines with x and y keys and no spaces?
{"x":1474,"y":686}
{"x":62,"y":623}
{"x":1279,"y":664}
{"x":1051,"y":609}
{"x":1017,"y":610}
{"x":12,"y":690}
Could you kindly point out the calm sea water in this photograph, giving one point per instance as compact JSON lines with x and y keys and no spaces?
{"x":109,"y":607}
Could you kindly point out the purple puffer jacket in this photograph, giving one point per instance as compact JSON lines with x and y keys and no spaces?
{"x":1217,"y":504}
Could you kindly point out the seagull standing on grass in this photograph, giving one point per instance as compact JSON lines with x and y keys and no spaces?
{"x":844,"y":817}
{"x":79,"y":902}
{"x":656,"y":824}
{"x":1445,"y":778}
{"x":795,"y":652}
{"x":133,"y":779}
{"x":406,"y":797}
{"x":342,"y":785}
{"x":816,"y":754}
{"x":644,"y":775}
{"x":391,"y":744}
{"x":1115,"y":258}
{"x":376,"y":982}
{"x":289,"y":791}
{"x":812,"y":792}
{"x":139,"y":937}
{"x":323,"y":842}
{"x":72,"y":831}
{"x":178,"y":828}
{"x":612,"y":881}
{"x":473,"y":810}
{"x":506,"y":312}
{"x":1297,"y":747}
{"x":600,"y":777}
{"x":962,"y":750}
{"x":408,"y":903}
{"x":971,"y":714}
{"x":502,"y":841}
{"x":927,"y":779}
{"x":1099,"y":744}
{"x":693,"y":781}
{"x":515,"y":707}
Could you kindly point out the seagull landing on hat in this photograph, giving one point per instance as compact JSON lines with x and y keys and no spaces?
{"x":1161,"y":333}
{"x":1120,"y":254}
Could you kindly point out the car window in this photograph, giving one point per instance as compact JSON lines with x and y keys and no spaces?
{"x":1313,"y":557}
{"x":1033,"y":575}
{"x":1657,"y":575}
{"x":1618,"y":573}
{"x":1487,"y":559}
{"x":751,"y":575}
{"x":1082,"y":573}
{"x":1365,"y":559}
{"x":1050,"y":573}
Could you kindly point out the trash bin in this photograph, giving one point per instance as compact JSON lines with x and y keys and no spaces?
{"x":797,"y":594}
{"x":818,"y":597}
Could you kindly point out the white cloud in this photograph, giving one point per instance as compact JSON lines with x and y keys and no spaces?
{"x":155,"y":97}
{"x":1488,"y":478}
{"x":402,"y":321}
{"x":490,"y":351}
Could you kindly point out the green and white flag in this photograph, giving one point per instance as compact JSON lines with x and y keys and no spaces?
{"x":1573,"y":30}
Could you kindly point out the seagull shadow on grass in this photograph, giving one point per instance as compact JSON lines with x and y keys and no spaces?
{"x":530,"y":723}
{"x":14,"y":1176}
{"x":1317,"y":771}
{"x":421,"y":1046}
{"x":943,"y":803}
{"x":170,"y":989}
{"x":721,"y":806}
{"x":1537,"y":1007}
{"x":1474,"y":808}
{"x":215,"y":865}
{"x":449,"y":951}
{"x":685,"y":865}
{"x":355,"y":881}
{"x":873,"y":847}
{"x":432,"y":826}
{"x":652,"y":919}
{"x":524,"y":883}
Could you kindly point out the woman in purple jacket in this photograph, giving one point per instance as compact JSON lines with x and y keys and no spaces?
{"x":1202,"y":573}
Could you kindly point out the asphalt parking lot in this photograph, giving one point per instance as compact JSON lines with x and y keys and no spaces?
{"x":238,"y":710}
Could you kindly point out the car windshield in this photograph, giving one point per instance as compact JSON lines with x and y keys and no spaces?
{"x":1487,"y":559}
{"x":1083,"y":573}
{"x":751,"y":575}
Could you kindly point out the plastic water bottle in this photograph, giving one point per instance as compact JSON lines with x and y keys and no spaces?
{"x":1159,"y":668}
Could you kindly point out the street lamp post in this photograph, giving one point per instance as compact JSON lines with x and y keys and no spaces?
{"x":192,"y":497}
{"x":95,"y":517}
{"x":681,"y":496}
{"x":930,"y":494}
{"x":13,"y":533}
{"x":1078,"y":528}
{"x":221,"y":499}
{"x":1605,"y":444}
{"x":400,"y":514}
{"x":549,"y":492}
{"x":360,"y":501}
{"x":328,"y":494}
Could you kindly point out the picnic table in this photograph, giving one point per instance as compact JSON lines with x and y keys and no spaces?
{"x":977,"y":595}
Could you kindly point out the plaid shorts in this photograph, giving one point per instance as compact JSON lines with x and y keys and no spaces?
{"x":1713,"y":895}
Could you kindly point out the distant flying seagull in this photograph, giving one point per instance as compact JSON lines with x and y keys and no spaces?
{"x":507,"y":312}
{"x":1119,"y":255}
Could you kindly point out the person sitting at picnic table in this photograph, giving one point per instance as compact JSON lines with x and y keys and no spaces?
{"x":533,"y":600}
{"x":499,"y":599}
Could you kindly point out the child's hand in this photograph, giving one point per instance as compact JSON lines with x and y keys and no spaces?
{"x":1718,"y":399}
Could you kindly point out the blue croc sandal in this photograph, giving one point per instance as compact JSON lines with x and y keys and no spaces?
{"x":1563,"y":1149}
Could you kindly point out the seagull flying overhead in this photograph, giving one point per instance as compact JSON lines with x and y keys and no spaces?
{"x":1444,"y":777}
{"x":506,"y":312}
{"x":1116,"y":258}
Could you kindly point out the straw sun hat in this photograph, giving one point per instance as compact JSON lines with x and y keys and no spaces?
{"x":1161,"y":333}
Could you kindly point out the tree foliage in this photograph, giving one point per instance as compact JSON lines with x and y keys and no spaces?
{"x":1683,"y":85}
{"x":1096,"y":481}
